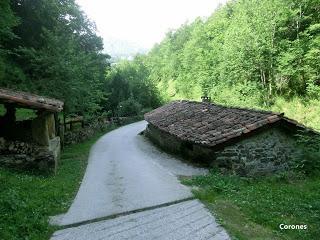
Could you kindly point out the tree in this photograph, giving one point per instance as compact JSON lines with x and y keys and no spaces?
{"x":7,"y":22}
{"x":128,"y":83}
{"x":56,"y":52}
{"x":269,"y":48}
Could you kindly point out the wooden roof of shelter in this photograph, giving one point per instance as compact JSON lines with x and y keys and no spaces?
{"x":28,"y":100}
{"x":211,"y":124}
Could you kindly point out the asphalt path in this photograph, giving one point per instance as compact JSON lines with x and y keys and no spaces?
{"x":131,"y":191}
{"x":126,"y":172}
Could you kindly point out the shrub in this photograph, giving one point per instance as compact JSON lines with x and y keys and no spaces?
{"x":310,"y":145}
{"x":129,"y":107}
{"x":145,"y":110}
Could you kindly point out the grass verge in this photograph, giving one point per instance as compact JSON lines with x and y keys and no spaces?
{"x":254,"y":209}
{"x":27,"y":200}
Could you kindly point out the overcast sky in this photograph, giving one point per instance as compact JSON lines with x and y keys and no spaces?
{"x":143,"y":22}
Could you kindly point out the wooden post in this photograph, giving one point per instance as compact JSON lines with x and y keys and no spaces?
{"x":57,"y":124}
{"x":64,"y":121}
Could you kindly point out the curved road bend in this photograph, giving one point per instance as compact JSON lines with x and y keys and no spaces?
{"x":125,"y":173}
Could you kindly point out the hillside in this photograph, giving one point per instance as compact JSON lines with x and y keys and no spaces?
{"x":258,"y":54}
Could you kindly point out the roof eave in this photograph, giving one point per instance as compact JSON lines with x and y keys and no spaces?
{"x":31,"y":101}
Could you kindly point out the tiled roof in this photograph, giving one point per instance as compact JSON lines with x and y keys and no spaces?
{"x":206,"y":123}
{"x":29,"y":100}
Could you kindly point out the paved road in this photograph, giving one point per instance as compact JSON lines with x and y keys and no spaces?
{"x":126,"y":173}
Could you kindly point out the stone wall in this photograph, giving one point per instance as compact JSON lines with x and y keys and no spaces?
{"x":80,"y":135}
{"x":26,"y":155}
{"x":96,"y":126}
{"x":273,"y":150}
{"x":270,"y":151}
{"x":163,"y":139}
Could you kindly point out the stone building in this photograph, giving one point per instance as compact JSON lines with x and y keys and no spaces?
{"x":243,"y":141}
{"x":31,"y":143}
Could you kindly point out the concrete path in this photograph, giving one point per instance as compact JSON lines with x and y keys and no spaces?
{"x":127,"y":174}
{"x":183,"y":221}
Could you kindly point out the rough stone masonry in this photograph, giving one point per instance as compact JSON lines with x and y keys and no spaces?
{"x":243,"y":141}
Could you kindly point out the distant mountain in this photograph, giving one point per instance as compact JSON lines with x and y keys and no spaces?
{"x":121,"y":49}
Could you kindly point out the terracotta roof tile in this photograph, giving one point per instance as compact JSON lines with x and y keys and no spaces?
{"x":208,"y":124}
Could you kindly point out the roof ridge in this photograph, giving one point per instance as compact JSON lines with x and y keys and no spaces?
{"x":229,"y":107}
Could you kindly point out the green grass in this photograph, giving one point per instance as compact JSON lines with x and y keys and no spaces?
{"x":306,"y":112}
{"x":254,"y":208}
{"x":27,"y":200}
{"x":301,"y":109}
{"x":21,"y":113}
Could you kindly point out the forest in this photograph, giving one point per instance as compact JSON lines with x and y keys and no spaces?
{"x":259,"y":54}
{"x":50,"y":47}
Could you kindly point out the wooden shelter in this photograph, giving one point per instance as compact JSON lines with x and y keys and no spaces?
{"x":33,"y":142}
{"x":32,"y":101}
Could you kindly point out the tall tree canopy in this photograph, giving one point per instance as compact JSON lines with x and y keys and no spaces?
{"x":129,"y":89}
{"x":253,"y":53}
{"x":257,"y":48}
{"x":248,"y":52}
{"x":50,"y":47}
{"x":7,"y":22}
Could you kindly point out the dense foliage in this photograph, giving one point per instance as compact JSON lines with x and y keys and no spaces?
{"x":129,"y":90}
{"x":251,"y":53}
{"x":271,"y":47}
{"x":261,"y":54}
{"x":310,"y":145}
{"x":49,"y":47}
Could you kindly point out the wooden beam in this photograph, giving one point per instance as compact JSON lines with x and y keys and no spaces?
{"x":32,"y":101}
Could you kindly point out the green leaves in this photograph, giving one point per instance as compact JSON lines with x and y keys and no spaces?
{"x":269,"y":46}
{"x":246,"y":53}
{"x":129,"y":89}
{"x":56,"y":52}
{"x":309,"y":162}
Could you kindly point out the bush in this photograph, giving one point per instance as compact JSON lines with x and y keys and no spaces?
{"x":303,"y":110}
{"x":145,"y":110}
{"x":129,"y":107}
{"x":310,"y":145}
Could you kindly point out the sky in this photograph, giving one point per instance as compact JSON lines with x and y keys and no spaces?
{"x":142,"y":23}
